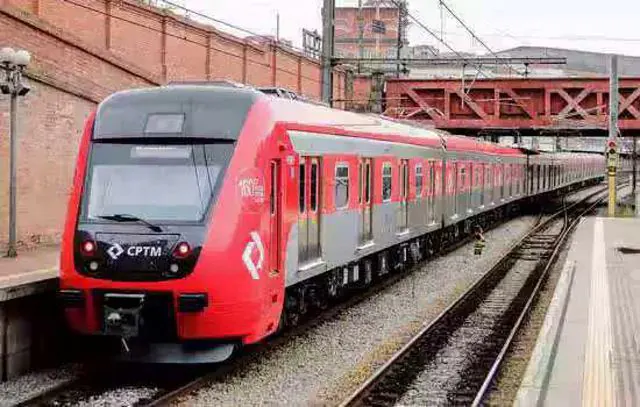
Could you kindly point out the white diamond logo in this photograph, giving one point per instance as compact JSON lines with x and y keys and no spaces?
{"x":255,"y":243}
{"x":115,"y":251}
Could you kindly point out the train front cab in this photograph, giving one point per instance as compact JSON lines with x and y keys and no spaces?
{"x":168,"y":230}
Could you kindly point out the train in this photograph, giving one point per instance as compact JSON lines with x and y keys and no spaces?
{"x":204,"y":218}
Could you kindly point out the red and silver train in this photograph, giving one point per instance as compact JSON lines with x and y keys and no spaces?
{"x":204,"y":217}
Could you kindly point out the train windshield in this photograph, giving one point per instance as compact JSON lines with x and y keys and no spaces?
{"x":154,"y":182}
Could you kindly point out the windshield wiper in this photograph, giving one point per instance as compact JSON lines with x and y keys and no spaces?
{"x":124,"y":217}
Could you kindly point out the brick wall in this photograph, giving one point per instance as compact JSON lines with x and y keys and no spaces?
{"x":84,"y":50}
{"x":49,"y":127}
{"x":169,"y":47}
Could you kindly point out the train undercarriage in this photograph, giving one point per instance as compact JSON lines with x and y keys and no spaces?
{"x":308,"y":297}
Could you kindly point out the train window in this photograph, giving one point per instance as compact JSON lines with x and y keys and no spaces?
{"x":367,"y":182}
{"x":360,"y":186}
{"x":130,"y":178}
{"x":342,"y":185}
{"x":386,"y":182}
{"x":488,"y":181}
{"x":481,"y":170}
{"x":314,"y":187}
{"x":302,"y":183}
{"x":419,"y":180}
{"x":506,"y":180}
{"x":428,"y":188}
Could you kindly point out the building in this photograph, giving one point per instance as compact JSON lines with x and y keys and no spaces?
{"x":579,"y":63}
{"x":371,"y":31}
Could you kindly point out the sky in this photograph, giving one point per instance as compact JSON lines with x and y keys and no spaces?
{"x":589,"y":25}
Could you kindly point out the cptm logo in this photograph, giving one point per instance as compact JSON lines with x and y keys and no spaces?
{"x":116,"y":250}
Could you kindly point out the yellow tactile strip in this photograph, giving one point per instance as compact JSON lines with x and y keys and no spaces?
{"x":599,"y":378}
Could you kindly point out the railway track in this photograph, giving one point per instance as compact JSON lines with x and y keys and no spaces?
{"x":170,"y":385}
{"x":455,"y":358}
{"x":167,"y":386}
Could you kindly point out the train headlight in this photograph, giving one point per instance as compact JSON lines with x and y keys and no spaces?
{"x":182,"y":250}
{"x":88,"y":248}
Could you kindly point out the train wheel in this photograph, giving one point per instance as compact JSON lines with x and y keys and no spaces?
{"x":290,"y":316}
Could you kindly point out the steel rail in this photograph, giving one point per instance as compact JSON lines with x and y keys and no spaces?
{"x":364,"y":389}
{"x":495,"y":368}
{"x":170,"y":395}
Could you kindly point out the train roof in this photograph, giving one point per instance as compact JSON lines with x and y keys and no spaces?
{"x":297,"y":114}
{"x":200,"y":110}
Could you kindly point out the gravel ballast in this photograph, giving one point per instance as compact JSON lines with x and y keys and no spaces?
{"x":322,"y":365}
{"x":15,"y":391}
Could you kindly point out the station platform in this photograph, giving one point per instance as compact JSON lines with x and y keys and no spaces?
{"x":22,"y":275}
{"x":588,"y":349}
{"x":30,"y":328}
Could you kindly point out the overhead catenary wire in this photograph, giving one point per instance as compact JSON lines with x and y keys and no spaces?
{"x":184,"y":38}
{"x":473,"y":34}
{"x":235,"y":27}
{"x":437,"y":37}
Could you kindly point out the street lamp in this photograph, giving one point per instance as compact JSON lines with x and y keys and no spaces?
{"x":12,"y":82}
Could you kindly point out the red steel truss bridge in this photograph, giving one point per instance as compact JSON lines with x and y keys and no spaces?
{"x":557,"y":104}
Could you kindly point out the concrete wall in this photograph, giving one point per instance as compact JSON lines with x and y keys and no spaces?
{"x":85,"y":50}
{"x":32,"y":331}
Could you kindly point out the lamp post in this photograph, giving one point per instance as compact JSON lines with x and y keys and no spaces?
{"x":12,"y":66}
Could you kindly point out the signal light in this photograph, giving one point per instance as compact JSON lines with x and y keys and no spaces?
{"x":182,"y":250}
{"x":88,"y":248}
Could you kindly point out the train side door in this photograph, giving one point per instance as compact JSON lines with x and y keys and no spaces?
{"x":275,"y":216}
{"x":302,"y":211}
{"x":473,"y":183}
{"x":364,"y":197}
{"x":403,"y":212}
{"x":481,"y":174}
{"x":431,"y":193}
{"x":313,"y":210}
{"x":309,"y":214}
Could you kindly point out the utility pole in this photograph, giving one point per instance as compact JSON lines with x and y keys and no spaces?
{"x":633,"y":161}
{"x":612,"y":142}
{"x":328,"y":15}
{"x":277,"y":27}
{"x":400,"y":10}
{"x":360,"y":35}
